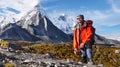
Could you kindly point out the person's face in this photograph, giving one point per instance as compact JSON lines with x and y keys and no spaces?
{"x":79,"y":20}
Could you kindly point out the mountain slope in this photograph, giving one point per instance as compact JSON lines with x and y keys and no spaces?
{"x":34,"y":27}
{"x":15,"y":32}
{"x":104,"y":41}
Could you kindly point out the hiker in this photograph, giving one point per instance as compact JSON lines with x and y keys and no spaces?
{"x":81,"y":39}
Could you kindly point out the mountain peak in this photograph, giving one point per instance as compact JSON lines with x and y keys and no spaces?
{"x":34,"y":27}
{"x":6,"y":20}
{"x":62,"y":17}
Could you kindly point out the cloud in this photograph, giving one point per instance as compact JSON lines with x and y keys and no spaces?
{"x":102,"y":18}
{"x":115,"y":4}
{"x":48,"y":7}
{"x":109,"y":17}
{"x":113,"y":36}
{"x":21,"y":6}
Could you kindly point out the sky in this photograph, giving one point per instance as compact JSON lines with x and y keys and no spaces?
{"x":104,"y":13}
{"x":17,"y":8}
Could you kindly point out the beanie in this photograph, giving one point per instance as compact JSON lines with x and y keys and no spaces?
{"x":80,"y":16}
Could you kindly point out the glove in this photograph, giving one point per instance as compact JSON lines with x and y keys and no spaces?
{"x":81,"y":45}
{"x":75,"y":51}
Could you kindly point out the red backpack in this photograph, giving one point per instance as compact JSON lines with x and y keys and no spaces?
{"x":92,"y":40}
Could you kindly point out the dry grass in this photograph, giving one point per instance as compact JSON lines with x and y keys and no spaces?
{"x":102,"y":54}
{"x":9,"y":64}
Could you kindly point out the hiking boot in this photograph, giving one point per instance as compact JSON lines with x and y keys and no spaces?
{"x":84,"y":60}
{"x":90,"y":62}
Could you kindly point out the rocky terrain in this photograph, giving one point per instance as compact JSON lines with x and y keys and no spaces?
{"x":22,"y":59}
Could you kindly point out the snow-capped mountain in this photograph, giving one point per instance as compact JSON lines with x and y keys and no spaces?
{"x":6,"y":20}
{"x":34,"y":27}
{"x":64,"y":22}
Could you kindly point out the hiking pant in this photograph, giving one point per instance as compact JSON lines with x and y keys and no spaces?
{"x":86,"y":53}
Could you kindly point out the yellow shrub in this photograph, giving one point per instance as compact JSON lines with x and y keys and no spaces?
{"x":4,"y":44}
{"x":10,"y":65}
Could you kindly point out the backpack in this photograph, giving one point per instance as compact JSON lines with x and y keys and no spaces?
{"x":92,"y":40}
{"x":93,"y":36}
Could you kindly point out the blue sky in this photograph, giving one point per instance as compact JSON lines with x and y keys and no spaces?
{"x":104,"y":13}
{"x":13,"y":10}
{"x":77,"y":4}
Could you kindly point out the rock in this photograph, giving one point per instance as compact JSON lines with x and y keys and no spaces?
{"x":27,"y":61}
{"x":37,"y":60}
{"x":2,"y":65}
{"x":117,"y":51}
{"x":100,"y":65}
{"x":49,"y":55}
{"x":84,"y":66}
{"x":42,"y":64}
{"x":79,"y":62}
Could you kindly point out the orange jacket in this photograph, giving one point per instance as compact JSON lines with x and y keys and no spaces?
{"x":76,"y":38}
{"x":83,"y":36}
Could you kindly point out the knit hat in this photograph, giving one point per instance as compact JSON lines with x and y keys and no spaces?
{"x":80,"y":16}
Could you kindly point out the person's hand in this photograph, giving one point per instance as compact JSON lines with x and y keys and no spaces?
{"x":81,"y":45}
{"x":75,"y":51}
